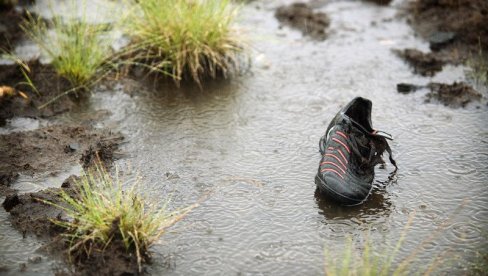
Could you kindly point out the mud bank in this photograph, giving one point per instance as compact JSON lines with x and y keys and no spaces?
{"x":10,"y":31}
{"x":32,"y":215}
{"x":302,"y":17}
{"x":456,"y":95}
{"x":49,"y":86}
{"x":439,"y":23}
{"x":425,"y":64}
{"x":453,"y":95}
{"x":49,"y":149}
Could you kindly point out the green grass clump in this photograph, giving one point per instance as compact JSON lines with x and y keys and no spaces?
{"x":479,"y":67}
{"x":79,"y":51}
{"x":185,"y":38}
{"x":102,"y":212}
{"x":371,"y":261}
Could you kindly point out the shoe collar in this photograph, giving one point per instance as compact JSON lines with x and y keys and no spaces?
{"x":358,"y":114}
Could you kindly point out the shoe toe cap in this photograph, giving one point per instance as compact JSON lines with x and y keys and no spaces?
{"x":350,"y":190}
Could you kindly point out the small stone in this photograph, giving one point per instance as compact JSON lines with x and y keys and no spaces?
{"x":406,"y":88}
{"x":438,"y":40}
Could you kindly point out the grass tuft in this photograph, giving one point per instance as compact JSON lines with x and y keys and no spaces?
{"x":479,"y":66}
{"x":102,"y":212}
{"x":372,"y":261}
{"x":79,"y":51}
{"x":186,"y":38}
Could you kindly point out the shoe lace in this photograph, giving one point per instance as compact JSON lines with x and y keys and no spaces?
{"x":369,"y":149}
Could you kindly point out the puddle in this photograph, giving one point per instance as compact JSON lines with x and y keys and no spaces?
{"x":253,"y":141}
{"x":22,"y":255}
{"x":30,"y":184}
{"x":22,"y":124}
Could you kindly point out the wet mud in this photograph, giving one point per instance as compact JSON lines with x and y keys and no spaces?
{"x":439,"y":22}
{"x":49,"y":149}
{"x":425,"y":64}
{"x":456,"y":95}
{"x":452,"y":41}
{"x":380,"y":2}
{"x":453,"y":95}
{"x":302,"y":17}
{"x":32,"y":215}
{"x":48,"y":86}
{"x":10,"y":30}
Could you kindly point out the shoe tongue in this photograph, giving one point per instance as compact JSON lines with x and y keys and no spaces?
{"x":359,"y":112}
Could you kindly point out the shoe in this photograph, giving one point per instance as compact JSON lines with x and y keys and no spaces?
{"x":350,"y":150}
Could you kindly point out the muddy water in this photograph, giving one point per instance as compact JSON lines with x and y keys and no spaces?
{"x":253,"y":145}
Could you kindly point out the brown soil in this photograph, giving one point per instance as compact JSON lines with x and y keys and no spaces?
{"x":380,"y":2}
{"x":49,"y":149}
{"x":453,"y":95}
{"x":457,"y":27}
{"x":10,"y":31}
{"x":302,"y":17}
{"x":48,"y":84}
{"x":425,"y":64}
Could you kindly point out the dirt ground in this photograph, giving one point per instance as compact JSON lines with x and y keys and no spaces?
{"x":48,"y":84}
{"x":457,"y":31}
{"x":302,"y":17}
{"x":452,"y":25}
{"x":10,"y":31}
{"x":453,"y":95}
{"x":51,"y":148}
{"x":425,"y":64}
{"x":48,"y":150}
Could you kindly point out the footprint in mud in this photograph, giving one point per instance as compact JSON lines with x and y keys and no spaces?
{"x":301,"y":16}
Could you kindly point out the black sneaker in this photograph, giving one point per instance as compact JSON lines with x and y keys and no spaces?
{"x":350,"y":150}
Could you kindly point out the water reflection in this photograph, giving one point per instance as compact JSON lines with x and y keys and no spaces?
{"x":376,"y":206}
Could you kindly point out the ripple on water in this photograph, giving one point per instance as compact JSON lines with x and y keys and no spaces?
{"x":270,"y":245}
{"x":480,"y":216}
{"x":464,"y":234}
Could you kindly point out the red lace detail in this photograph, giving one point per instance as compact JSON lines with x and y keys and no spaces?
{"x":342,"y":134}
{"x":332,"y":163}
{"x":332,"y":170}
{"x":342,"y":143}
{"x":337,"y":158}
{"x":342,"y":154}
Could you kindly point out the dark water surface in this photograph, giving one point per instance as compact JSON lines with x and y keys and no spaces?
{"x":253,"y":143}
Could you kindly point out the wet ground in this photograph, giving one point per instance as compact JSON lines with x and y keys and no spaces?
{"x":253,"y":143}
